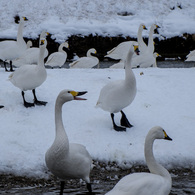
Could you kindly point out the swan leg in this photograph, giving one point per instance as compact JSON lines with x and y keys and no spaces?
{"x":124,"y":120}
{"x":1,"y":106}
{"x":37,"y":102}
{"x":5,"y":66}
{"x":89,"y":188}
{"x":62,"y":187}
{"x":117,"y":128}
{"x":11,"y":67}
{"x":26,"y":104}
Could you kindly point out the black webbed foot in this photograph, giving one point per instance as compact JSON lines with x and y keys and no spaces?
{"x":124,"y":120}
{"x":116,"y":127}
{"x":40,"y":103}
{"x":28,"y":104}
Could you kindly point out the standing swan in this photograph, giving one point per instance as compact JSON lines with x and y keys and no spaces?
{"x":67,"y":160}
{"x":10,"y":50}
{"x":120,"y":51}
{"x":117,"y":95}
{"x":58,"y":58}
{"x":29,"y":77}
{"x":157,"y":182}
{"x":31,"y":55}
{"x":86,"y":62}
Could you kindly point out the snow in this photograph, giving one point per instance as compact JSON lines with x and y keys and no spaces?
{"x":164,"y":98}
{"x":63,"y":18}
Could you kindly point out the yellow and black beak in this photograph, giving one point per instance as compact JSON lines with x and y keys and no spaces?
{"x":75,"y":94}
{"x":42,"y":42}
{"x":166,"y":136}
{"x":144,"y":27}
{"x":25,"y":18}
{"x":136,"y":49}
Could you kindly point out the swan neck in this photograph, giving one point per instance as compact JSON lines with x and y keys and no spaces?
{"x":41,"y":56}
{"x":150,"y":40}
{"x":20,"y":33}
{"x":139,"y":36}
{"x":153,"y":166}
{"x":59,"y":126}
{"x":128,"y":70}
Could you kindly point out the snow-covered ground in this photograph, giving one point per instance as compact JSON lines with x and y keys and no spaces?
{"x":165,"y":97}
{"x":63,"y":18}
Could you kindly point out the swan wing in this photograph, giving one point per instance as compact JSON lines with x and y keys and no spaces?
{"x":56,"y":59}
{"x":85,"y":62}
{"x":141,"y":184}
{"x":120,"y":52}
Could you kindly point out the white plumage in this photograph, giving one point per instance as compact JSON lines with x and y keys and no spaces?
{"x":146,"y":57}
{"x":117,"y":95}
{"x":10,"y":50}
{"x":29,"y":77}
{"x":86,"y":62}
{"x":67,"y":160}
{"x":31,"y":55}
{"x":57,"y":59}
{"x":190,"y":56}
{"x":120,"y":51}
{"x":157,"y":182}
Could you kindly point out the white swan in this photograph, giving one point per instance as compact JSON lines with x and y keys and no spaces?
{"x":119,"y":65}
{"x":86,"y":62}
{"x":157,"y":182}
{"x":147,"y":57}
{"x":29,"y":77}
{"x":10,"y":50}
{"x":31,"y":55}
{"x":190,"y":56}
{"x":67,"y":160}
{"x":120,"y":52}
{"x":117,"y":95}
{"x":58,"y":58}
{"x":29,"y":44}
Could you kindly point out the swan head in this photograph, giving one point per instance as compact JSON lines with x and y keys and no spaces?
{"x":91,"y":51}
{"x":158,"y":132}
{"x":143,"y":26}
{"x":19,"y":19}
{"x":68,"y":95}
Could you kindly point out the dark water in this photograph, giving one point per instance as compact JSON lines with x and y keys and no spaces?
{"x":160,"y":64}
{"x":102,"y":181}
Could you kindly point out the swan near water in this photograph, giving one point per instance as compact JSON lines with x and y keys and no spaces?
{"x":86,"y":62}
{"x":29,"y":77}
{"x":57,"y":59}
{"x":120,"y":51}
{"x":117,"y":95}
{"x":31,"y":55}
{"x":190,"y":56}
{"x":67,"y":160}
{"x":10,"y":50}
{"x":146,"y":58}
{"x":157,"y":182}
